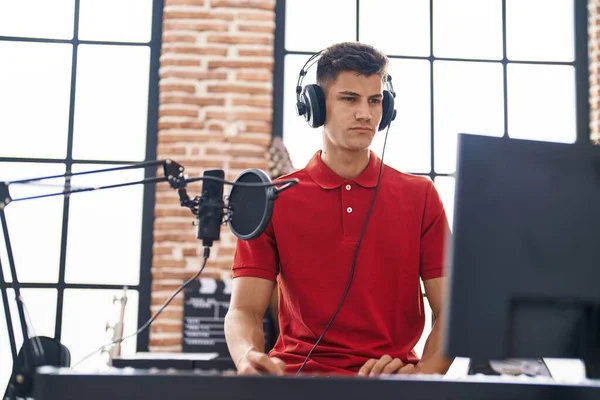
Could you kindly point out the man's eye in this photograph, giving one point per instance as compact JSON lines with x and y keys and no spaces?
{"x":348,"y":98}
{"x":375,"y":101}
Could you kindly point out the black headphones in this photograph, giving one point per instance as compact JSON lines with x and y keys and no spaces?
{"x":310,"y":101}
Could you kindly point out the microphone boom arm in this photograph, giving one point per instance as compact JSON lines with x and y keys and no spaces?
{"x":21,"y":379}
{"x":285,"y":185}
{"x":173,"y":173}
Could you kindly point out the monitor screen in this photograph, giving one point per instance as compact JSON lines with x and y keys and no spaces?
{"x":524,"y":258}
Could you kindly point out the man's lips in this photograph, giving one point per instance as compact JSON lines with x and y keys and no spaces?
{"x":362,"y":128}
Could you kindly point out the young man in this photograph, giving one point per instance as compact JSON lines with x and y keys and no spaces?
{"x":309,"y":245}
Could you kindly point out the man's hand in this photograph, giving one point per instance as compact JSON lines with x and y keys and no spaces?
{"x":256,"y":363}
{"x":409,"y":369}
{"x":385,"y":365}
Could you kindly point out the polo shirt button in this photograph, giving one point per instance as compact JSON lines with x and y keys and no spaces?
{"x":349,"y":209}
{"x":348,"y":187}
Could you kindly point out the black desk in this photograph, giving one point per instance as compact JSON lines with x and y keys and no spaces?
{"x":178,"y":361}
{"x":121,"y":384}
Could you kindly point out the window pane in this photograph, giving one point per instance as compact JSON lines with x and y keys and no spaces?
{"x":300,"y":140}
{"x":408,"y":147}
{"x":37,"y":18}
{"x":115,"y":20}
{"x":33,"y":224}
{"x":467,"y":29}
{"x":407,"y":23}
{"x":40,"y":313}
{"x":540,"y":36}
{"x":541,"y":102}
{"x":111,"y":102}
{"x":35,"y":87}
{"x":105,"y":228}
{"x":445,"y":188}
{"x":468,"y":98}
{"x":312,"y":25}
{"x":85,"y":315}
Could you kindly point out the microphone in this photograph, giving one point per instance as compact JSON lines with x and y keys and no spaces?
{"x":251,"y":207}
{"x":210,"y":213}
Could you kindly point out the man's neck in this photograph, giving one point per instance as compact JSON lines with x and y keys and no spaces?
{"x":346,"y":164}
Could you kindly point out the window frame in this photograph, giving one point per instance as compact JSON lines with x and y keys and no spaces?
{"x":148,"y":203}
{"x":580,"y":64}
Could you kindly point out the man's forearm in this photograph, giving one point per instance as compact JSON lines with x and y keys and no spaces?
{"x":433,"y":360}
{"x":243,"y":332}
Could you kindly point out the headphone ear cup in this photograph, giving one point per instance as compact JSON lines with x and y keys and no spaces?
{"x":314,"y":98}
{"x":389,"y":112}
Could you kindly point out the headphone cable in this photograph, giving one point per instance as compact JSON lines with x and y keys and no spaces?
{"x":352,"y":269}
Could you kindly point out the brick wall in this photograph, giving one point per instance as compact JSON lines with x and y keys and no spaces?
{"x":215,"y":112}
{"x":594,"y":52}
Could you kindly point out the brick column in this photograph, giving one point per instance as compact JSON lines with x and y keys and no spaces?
{"x":215,"y":112}
{"x":594,"y":54}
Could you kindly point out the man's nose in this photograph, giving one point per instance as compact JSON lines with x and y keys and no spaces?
{"x":363,"y":111}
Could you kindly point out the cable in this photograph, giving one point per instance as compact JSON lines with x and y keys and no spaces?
{"x":147,"y":324}
{"x":364,"y":228}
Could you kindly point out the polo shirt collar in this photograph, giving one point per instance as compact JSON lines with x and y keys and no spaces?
{"x":328,"y":179}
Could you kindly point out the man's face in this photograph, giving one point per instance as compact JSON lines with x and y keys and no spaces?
{"x":353,"y":110}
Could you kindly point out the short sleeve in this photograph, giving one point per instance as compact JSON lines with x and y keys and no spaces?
{"x":435,"y":235}
{"x":257,"y":257}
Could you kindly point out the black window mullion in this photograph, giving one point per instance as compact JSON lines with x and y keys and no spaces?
{"x":38,"y":285}
{"x":69,"y":166}
{"x":10,"y":323}
{"x":504,"y":69}
{"x":477,"y":60}
{"x":582,"y":83}
{"x":431,"y":59}
{"x":62,"y":161}
{"x":68,"y":41}
{"x":145,"y":281}
{"x":32,"y":160}
{"x":279,"y":53}
{"x":357,"y":20}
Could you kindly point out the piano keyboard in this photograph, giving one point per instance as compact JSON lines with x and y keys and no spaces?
{"x":128,"y":383}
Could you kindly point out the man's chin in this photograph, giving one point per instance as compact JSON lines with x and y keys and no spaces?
{"x":358,"y":146}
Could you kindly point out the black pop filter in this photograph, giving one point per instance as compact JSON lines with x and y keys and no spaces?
{"x":251,"y":207}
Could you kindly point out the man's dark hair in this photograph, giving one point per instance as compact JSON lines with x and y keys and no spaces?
{"x":350,"y":56}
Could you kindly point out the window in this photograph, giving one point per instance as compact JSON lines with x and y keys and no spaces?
{"x":78,"y":91}
{"x":504,"y":68}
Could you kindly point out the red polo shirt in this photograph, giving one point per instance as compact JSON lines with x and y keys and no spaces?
{"x":308,"y":248}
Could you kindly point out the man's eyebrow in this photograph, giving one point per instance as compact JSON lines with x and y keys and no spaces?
{"x":350,"y":93}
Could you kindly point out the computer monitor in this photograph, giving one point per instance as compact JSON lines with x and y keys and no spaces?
{"x":524,"y":257}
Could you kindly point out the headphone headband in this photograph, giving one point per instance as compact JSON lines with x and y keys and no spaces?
{"x":310,"y":101}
